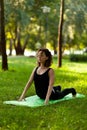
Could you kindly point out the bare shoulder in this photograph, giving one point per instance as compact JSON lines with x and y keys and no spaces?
{"x":34,"y":69}
{"x":51,"y":71}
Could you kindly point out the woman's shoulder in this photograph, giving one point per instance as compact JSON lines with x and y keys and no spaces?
{"x":35,"y":69}
{"x":50,"y":69}
{"x":51,"y":72}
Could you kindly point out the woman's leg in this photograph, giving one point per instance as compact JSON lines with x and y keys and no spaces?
{"x":68,"y":90}
{"x":57,"y":88}
{"x":60,"y":94}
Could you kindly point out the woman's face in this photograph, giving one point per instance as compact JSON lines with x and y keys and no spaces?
{"x":41,"y":57}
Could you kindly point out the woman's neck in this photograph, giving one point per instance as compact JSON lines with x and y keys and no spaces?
{"x":42,"y":66}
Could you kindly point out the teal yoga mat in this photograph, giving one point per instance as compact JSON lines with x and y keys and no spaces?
{"x":35,"y":101}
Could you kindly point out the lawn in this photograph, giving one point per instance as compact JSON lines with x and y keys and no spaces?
{"x":66,"y":115}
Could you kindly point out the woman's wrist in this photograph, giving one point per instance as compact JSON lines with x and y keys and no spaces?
{"x":46,"y":102}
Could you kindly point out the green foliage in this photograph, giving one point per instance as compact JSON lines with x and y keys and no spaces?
{"x":67,"y":115}
{"x":28,"y":15}
{"x":78,"y":57}
{"x":75,"y":23}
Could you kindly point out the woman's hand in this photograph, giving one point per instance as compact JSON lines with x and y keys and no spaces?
{"x":46,"y":102}
{"x":20,"y":99}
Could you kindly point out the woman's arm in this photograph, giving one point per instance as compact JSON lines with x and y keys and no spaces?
{"x":50,"y":87}
{"x":27,"y":85}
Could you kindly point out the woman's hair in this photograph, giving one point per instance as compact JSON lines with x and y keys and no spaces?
{"x":48,"y":54}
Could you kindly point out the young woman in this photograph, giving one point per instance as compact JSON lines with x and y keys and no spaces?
{"x":43,"y":77}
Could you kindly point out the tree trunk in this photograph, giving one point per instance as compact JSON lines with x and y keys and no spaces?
{"x":18,"y":47}
{"x":2,"y":37}
{"x":60,"y":34}
{"x":10,"y":47}
{"x":26,"y":42}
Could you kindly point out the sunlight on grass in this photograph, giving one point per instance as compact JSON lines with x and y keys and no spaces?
{"x":80,"y":68}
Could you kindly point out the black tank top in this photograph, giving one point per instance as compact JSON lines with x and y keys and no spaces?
{"x":41,"y":82}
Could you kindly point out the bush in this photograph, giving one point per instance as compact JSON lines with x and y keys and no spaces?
{"x":78,"y":57}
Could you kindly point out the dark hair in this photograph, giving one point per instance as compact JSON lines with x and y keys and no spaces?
{"x":48,"y":54}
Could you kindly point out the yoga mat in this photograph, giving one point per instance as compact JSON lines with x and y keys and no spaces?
{"x":35,"y":101}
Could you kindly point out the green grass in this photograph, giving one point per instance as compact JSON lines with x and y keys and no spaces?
{"x":67,"y":115}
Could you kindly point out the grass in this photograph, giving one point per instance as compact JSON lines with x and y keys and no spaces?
{"x":67,"y":115}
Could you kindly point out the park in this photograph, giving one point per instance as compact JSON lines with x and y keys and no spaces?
{"x":28,"y":28}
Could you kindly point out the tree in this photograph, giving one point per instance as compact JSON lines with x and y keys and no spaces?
{"x":17,"y":21}
{"x":75,"y":22}
{"x":28,"y":18}
{"x":26,"y":22}
{"x":60,"y":34}
{"x":2,"y":37}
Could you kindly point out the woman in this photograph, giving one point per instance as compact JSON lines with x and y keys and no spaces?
{"x":43,"y":77}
